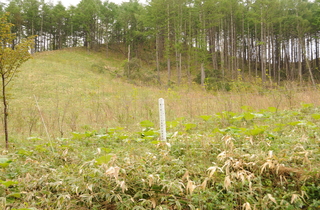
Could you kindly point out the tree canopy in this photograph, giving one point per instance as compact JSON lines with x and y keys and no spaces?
{"x":271,"y":39}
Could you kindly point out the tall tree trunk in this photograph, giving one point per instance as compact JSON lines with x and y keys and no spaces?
{"x":157,"y":58}
{"x":107,"y":40}
{"x":169,"y":70}
{"x":177,"y":59}
{"x":263,"y":49}
{"x":293,"y":60}
{"x":243,"y":45}
{"x":299,"y":58}
{"x":287,"y":60}
{"x":178,"y":30}
{"x":308,"y":64}
{"x":317,"y":52}
{"x":212,"y":39}
{"x":249,"y":52}
{"x":168,"y":45}
{"x":232,"y":56}
{"x":189,"y":40}
{"x":257,"y":50}
{"x":203,"y":74}
{"x":222,"y":51}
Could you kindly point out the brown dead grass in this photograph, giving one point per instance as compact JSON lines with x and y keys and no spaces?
{"x":73,"y":98}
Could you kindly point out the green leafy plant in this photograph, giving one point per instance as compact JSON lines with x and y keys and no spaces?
{"x":11,"y":58}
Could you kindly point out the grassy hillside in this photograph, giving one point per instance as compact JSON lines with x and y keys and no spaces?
{"x":83,"y":137}
{"x":78,"y":90}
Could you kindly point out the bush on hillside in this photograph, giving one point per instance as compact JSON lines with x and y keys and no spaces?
{"x":214,"y":80}
{"x":131,"y":69}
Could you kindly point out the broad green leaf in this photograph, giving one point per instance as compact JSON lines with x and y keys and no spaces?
{"x":316,"y":116}
{"x":256,"y":130}
{"x":218,"y":115}
{"x":4,"y":165}
{"x":149,"y":133}
{"x":235,"y":130}
{"x":231,"y":113}
{"x":78,"y":136}
{"x":41,"y":148}
{"x":4,"y":162}
{"x":227,"y":115}
{"x":296,"y":123}
{"x":172,"y":124}
{"x":106,"y":150}
{"x":103,"y":159}
{"x":180,"y":119}
{"x":8,"y":183}
{"x":206,"y":117}
{"x":113,"y":130}
{"x":307,"y":105}
{"x":122,"y":137}
{"x":271,"y":135}
{"x":238,"y":118}
{"x":15,"y":195}
{"x":277,"y":129}
{"x":147,"y":124}
{"x":247,"y":108}
{"x":217,"y":130}
{"x":24,"y":152}
{"x":248,"y":116}
{"x":89,"y":133}
{"x":149,"y":137}
{"x":102,"y":136}
{"x":189,"y":126}
{"x":272,"y":109}
{"x":294,"y":113}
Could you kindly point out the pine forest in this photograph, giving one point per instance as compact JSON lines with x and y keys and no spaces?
{"x":273,"y":40}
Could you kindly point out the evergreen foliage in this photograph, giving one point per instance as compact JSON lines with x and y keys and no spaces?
{"x":273,"y":40}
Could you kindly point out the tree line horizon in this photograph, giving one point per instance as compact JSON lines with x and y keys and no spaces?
{"x":273,"y":40}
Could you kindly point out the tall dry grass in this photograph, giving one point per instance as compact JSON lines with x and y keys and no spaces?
{"x":73,"y":96}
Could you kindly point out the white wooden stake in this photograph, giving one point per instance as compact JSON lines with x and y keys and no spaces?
{"x":162,"y":114}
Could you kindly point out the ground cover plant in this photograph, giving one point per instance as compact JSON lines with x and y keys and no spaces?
{"x":255,"y":160}
{"x":83,"y":138}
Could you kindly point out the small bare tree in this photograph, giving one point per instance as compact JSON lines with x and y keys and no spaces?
{"x":11,"y":58}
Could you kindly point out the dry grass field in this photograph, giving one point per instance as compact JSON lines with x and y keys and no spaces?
{"x":75,"y":91}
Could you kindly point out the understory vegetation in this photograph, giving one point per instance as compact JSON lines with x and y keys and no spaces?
{"x":84,"y":136}
{"x":264,"y":159}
